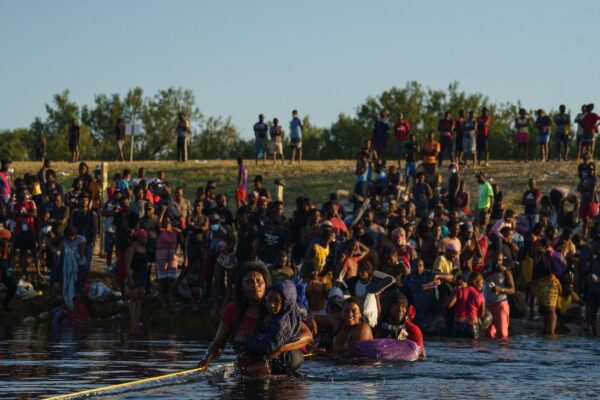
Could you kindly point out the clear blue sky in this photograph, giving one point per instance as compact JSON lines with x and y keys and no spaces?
{"x":322,"y":57}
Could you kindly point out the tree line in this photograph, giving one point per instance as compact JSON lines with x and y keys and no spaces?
{"x":216,"y":137}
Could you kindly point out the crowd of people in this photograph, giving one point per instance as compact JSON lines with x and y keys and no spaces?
{"x":409,"y":255}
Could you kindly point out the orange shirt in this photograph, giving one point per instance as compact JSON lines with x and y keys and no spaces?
{"x":430,"y":150}
{"x":4,"y":239}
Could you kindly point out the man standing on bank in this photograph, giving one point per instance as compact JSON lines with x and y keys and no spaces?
{"x":183,"y":134}
{"x":296,"y":128}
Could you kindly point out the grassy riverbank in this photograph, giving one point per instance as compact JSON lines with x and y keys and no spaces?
{"x":317,"y":179}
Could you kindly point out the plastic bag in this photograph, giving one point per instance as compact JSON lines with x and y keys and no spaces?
{"x":370,"y":310}
{"x":100,"y":292}
{"x":25,"y":289}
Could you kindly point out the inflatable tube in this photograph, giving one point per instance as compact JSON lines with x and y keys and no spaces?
{"x":387,"y":349}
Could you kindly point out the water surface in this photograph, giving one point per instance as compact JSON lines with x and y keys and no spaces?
{"x":37,"y":362}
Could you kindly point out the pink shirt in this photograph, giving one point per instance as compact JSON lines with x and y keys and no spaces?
{"x":468,"y":301}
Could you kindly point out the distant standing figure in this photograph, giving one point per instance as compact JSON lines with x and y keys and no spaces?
{"x":40,"y":147}
{"x":522,"y":128}
{"x":562,"y":120}
{"x":579,"y":134}
{"x":120,"y":136}
{"x":543,"y":124}
{"x":590,"y":128}
{"x":483,"y":131}
{"x":276,"y":133}
{"x":381,"y":131}
{"x":401,"y":133}
{"x":74,"y":136}
{"x":470,"y":137}
{"x":446,"y":131}
{"x":296,"y":129}
{"x":183,"y":133}
{"x":459,"y":130}
{"x":260,"y":138}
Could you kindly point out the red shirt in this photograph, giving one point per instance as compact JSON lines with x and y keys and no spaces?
{"x":414,"y":333}
{"x":401,"y":130}
{"x":468,"y":302}
{"x":338,"y":225}
{"x":590,"y":123}
{"x":230,"y":315}
{"x":24,"y":223}
{"x":404,"y":253}
{"x":483,"y":125}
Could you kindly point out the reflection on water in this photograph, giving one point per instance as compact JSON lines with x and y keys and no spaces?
{"x":36,"y":361}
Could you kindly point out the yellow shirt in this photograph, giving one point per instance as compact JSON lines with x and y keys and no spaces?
{"x":321,"y":254}
{"x":549,"y":291}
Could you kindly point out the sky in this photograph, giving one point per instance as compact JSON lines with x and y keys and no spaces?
{"x":322,"y":57}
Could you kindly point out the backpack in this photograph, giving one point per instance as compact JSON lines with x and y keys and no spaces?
{"x":518,"y":305}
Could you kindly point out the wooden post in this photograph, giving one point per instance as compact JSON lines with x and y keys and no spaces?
{"x":103,"y":201}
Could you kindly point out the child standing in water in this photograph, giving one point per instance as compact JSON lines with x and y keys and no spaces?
{"x":266,"y":348}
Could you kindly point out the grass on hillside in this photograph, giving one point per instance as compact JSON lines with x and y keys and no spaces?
{"x":316,"y":179}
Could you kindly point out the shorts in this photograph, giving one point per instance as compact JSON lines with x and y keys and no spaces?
{"x":120,"y":273}
{"x":458,"y":139}
{"x":468,"y":143}
{"x":522,"y":137}
{"x":397,"y":148}
{"x":260,"y":146}
{"x":543,"y":139}
{"x":482,"y":143}
{"x":587,"y":139}
{"x":295,"y":143}
{"x":578,"y":138}
{"x":277,"y":147}
{"x":588,"y":210}
{"x":25,"y":241}
{"x":73,"y":146}
{"x":166,"y":263}
{"x":240,"y":195}
{"x":120,"y":144}
{"x":411,"y":169}
{"x":562,"y":138}
{"x":140,"y":279}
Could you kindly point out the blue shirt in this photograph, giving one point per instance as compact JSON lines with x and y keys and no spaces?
{"x":123,"y":185}
{"x":296,"y":128}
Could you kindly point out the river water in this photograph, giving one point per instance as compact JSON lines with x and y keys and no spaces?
{"x":37,"y":362}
